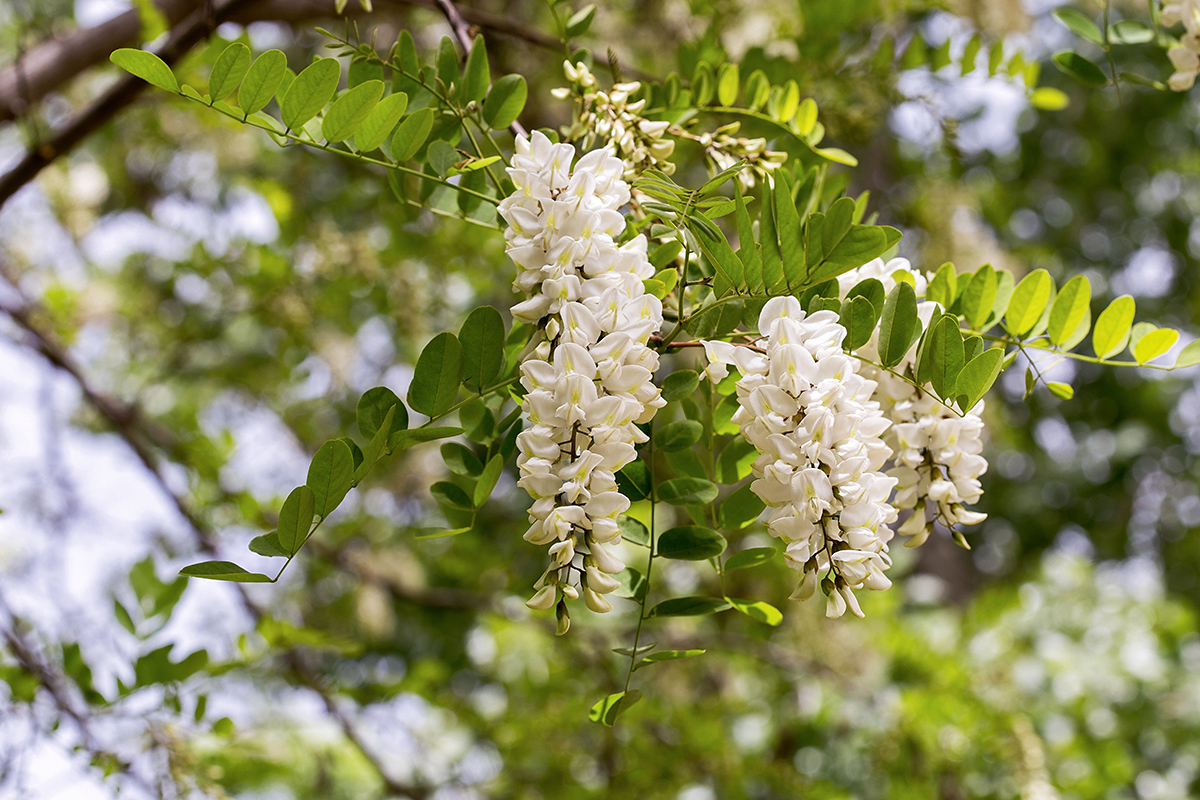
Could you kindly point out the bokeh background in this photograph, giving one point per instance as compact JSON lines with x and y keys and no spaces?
{"x":188,"y":311}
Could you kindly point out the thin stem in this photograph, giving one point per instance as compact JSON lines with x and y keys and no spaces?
{"x":347,"y":153}
{"x":637,"y":636}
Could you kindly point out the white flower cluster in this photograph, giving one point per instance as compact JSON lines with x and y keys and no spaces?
{"x":809,"y":413}
{"x":589,"y":376}
{"x":1185,"y":56}
{"x":938,"y":454}
{"x":611,"y":118}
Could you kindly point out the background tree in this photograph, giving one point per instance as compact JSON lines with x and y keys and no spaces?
{"x":193,"y":310}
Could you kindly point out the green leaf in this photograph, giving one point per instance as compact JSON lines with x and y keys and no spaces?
{"x":978,"y":376}
{"x":1190,"y":355}
{"x":402,"y":440}
{"x":788,"y":228}
{"x":442,"y":156}
{"x":899,"y":326}
{"x":1081,"y":70}
{"x":872,"y":290}
{"x":607,"y":710}
{"x":267,"y":545}
{"x":758,"y":88}
{"x":412,"y":134}
{"x":735,"y":460}
{"x":505,"y":101}
{"x":478,"y":74}
{"x":451,"y":495}
{"x":1070,"y":310}
{"x":262,"y":81}
{"x":728,"y":83}
{"x":1154,"y":344}
{"x":745,"y":559}
{"x":1129,"y":31}
{"x":747,"y":250}
{"x":308,"y":94}
{"x":1080,"y":24}
{"x":437,"y":376}
{"x":944,"y":349}
{"x":689,"y":607}
{"x":1047,"y":98}
{"x":147,"y":66}
{"x":633,"y":584}
{"x":580,"y":21}
{"x":740,"y":509}
{"x":296,"y":518}
{"x":633,"y":531}
{"x":688,"y":491}
{"x":460,"y":460}
{"x":229,"y":70}
{"x":447,"y":62}
{"x":679,"y":385}
{"x":487,"y":480}
{"x":1028,"y":302}
{"x":667,"y":655}
{"x":678,"y":435}
{"x":691,"y":543}
{"x":944,"y":286}
{"x":634,"y":480}
{"x":979,"y":296}
{"x":373,"y":406}
{"x":350,"y":111}
{"x":858,"y":317}
{"x":1112,"y":327}
{"x":1062,"y":391}
{"x":806,"y":117}
{"x":223,"y":571}
{"x":758,"y":610}
{"x":380,"y":123}
{"x":330,"y":475}
{"x":378,"y":442}
{"x":482,"y":338}
{"x":727,"y":267}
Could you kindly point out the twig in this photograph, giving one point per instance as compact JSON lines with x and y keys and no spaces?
{"x":462,"y":33}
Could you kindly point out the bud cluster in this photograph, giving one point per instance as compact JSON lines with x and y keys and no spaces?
{"x":614,"y":120}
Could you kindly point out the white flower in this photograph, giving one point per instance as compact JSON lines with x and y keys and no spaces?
{"x":808,"y":412}
{"x":938,"y":454}
{"x":589,"y":380}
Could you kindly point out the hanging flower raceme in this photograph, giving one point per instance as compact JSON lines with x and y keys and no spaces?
{"x":809,"y":413}
{"x":589,"y":376}
{"x":938,"y":453}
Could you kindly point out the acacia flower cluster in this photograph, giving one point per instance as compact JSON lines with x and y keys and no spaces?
{"x":589,"y":375}
{"x":938,"y":453}
{"x":1185,"y":56}
{"x":809,"y":413}
{"x":612,"y":118}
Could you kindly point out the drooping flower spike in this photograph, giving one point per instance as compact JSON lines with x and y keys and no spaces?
{"x":589,"y":378}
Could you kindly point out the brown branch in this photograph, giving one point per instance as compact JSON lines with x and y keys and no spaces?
{"x":48,"y":66}
{"x":198,"y":27}
{"x":52,"y":64}
{"x":462,"y":31}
